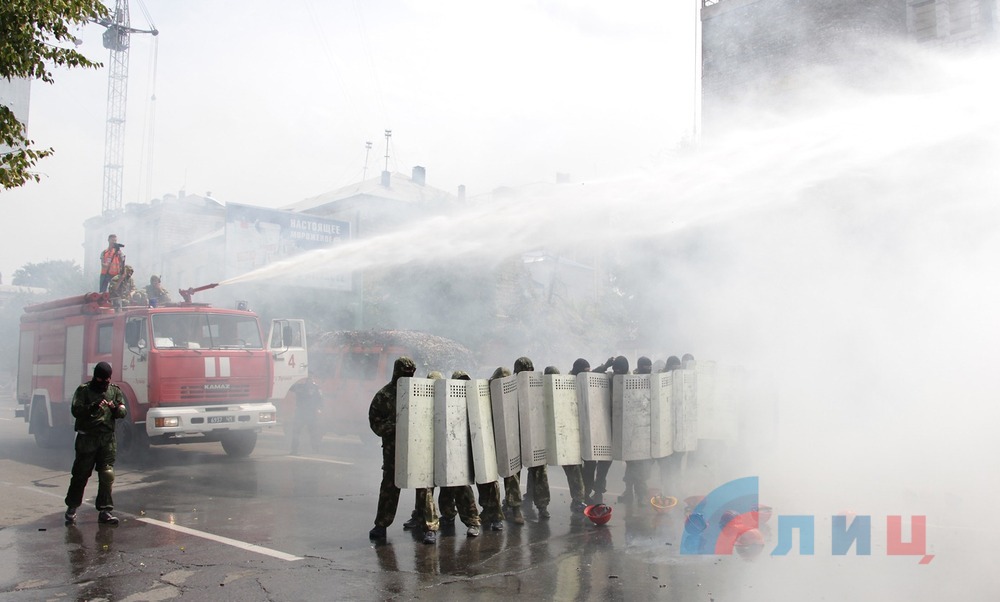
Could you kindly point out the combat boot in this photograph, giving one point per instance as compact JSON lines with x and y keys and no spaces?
{"x":413,"y":522}
{"x":515,"y":516}
{"x":642,"y":496}
{"x":105,"y":517}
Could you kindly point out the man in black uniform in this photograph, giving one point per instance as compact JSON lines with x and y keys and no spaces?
{"x":96,"y":406}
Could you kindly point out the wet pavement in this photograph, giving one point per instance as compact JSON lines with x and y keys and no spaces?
{"x":199,"y":525}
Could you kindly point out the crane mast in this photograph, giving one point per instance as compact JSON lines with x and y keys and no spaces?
{"x":116,"y":40}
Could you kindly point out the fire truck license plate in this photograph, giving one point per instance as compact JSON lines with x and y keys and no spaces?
{"x":218,"y":419}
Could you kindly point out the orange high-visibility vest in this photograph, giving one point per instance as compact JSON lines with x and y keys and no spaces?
{"x":111,"y":262}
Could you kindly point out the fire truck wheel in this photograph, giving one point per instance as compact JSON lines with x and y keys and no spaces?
{"x":45,"y":435}
{"x":239,"y":444}
{"x":131,"y":440}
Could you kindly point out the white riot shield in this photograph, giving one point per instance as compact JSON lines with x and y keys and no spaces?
{"x":594,"y":396}
{"x":452,"y":451}
{"x":531,"y":412}
{"x":630,"y":426}
{"x":685,"y":411}
{"x":717,"y":407}
{"x":562,"y":419}
{"x":503,"y":397}
{"x":661,"y":419}
{"x":414,"y":433}
{"x":484,"y":450}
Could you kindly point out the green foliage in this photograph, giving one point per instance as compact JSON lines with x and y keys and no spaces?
{"x":60,"y":277}
{"x":11,"y":309}
{"x":31,"y":32}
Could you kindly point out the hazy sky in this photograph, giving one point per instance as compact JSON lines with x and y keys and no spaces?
{"x":268,"y":107}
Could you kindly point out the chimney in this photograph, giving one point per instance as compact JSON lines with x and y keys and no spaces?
{"x":419,"y":175}
{"x":461,"y":193}
{"x":385,"y":179}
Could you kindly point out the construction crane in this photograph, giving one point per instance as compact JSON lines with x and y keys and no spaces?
{"x":118,"y":29}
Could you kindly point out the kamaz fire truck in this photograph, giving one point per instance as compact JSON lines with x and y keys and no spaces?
{"x":190,"y":372}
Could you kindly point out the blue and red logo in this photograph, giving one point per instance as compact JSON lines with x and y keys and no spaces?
{"x":730,"y":519}
{"x":725,"y":520}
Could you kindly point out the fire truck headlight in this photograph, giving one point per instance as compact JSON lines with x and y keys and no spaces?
{"x":266,"y":417}
{"x":166,"y":422}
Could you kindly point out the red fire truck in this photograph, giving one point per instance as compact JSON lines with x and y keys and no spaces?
{"x":351,"y":365}
{"x":190,"y":372}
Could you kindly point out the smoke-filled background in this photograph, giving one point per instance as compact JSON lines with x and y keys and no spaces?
{"x":843,"y":252}
{"x":841,"y":246}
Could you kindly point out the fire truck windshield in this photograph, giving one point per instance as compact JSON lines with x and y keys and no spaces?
{"x":205,"y":331}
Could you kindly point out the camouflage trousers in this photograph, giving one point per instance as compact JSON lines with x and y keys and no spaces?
{"x":459,"y":500}
{"x":93,"y":451}
{"x":538,"y":488}
{"x":489,"y":499}
{"x":595,"y":475}
{"x":423,"y":506}
{"x":574,"y":478}
{"x":388,"y":495}
{"x":636,"y":475}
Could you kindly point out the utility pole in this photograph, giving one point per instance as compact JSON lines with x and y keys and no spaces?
{"x":388,"y":134}
{"x":368,"y":150}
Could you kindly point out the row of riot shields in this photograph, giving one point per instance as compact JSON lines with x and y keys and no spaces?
{"x":460,"y":432}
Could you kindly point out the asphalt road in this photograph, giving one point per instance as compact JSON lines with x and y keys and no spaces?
{"x":198,"y":525}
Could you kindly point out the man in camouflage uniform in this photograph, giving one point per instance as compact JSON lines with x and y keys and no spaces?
{"x":156,"y":294}
{"x":538,"y":476}
{"x":96,"y":406}
{"x":420,"y":493}
{"x":122,"y":286}
{"x":489,"y":493}
{"x":637,"y":471}
{"x":670,"y":466}
{"x":382,"y":419}
{"x":460,"y":500}
{"x":574,"y":474}
{"x":511,"y":508}
{"x":595,"y":472}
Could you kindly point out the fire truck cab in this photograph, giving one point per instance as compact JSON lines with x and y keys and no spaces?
{"x":189,"y":372}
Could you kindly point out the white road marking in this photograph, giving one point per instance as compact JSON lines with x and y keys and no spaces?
{"x":321,"y":460}
{"x":223,"y":540}
{"x":308,"y":458}
{"x":217,"y":538}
